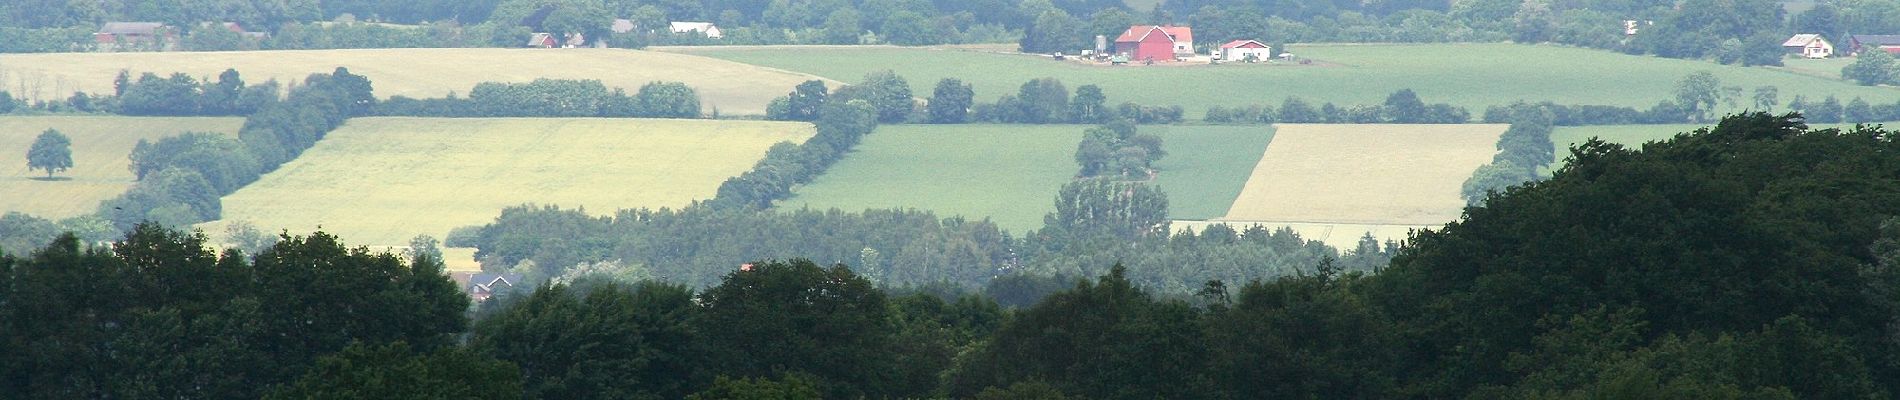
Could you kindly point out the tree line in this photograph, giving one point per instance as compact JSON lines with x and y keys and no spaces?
{"x":1401,"y":107}
{"x":181,"y":178}
{"x":1039,"y":101}
{"x":1671,"y":276}
{"x":553,"y":98}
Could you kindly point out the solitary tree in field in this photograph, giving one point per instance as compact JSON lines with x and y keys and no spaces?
{"x":1699,"y":93}
{"x":51,"y":152}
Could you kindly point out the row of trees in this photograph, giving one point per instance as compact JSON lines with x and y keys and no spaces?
{"x":554,"y":98}
{"x":180,"y":95}
{"x":181,"y":178}
{"x":1401,"y":107}
{"x":841,"y":125}
{"x":1039,"y":101}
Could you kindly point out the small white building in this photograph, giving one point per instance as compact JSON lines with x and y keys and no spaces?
{"x":1240,"y":49}
{"x":1809,"y":45}
{"x":705,"y":28}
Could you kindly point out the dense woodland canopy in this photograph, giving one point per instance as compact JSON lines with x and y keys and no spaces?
{"x":1727,"y":263}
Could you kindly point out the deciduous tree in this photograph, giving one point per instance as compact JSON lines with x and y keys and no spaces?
{"x":51,"y":151}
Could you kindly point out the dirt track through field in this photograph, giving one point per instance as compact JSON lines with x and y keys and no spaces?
{"x":1364,"y":174}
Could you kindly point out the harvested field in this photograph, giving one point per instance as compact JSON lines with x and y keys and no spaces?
{"x":1364,"y":174}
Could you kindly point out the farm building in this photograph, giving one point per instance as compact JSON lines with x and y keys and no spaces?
{"x":542,"y":40}
{"x":481,"y":286}
{"x":1630,"y":26}
{"x":1245,"y":50}
{"x":1809,"y":45}
{"x":1156,"y":42}
{"x":1858,"y":43}
{"x":706,"y":28}
{"x":235,"y":28}
{"x":118,"y":34}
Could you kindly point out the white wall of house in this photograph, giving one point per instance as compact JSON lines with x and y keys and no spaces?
{"x":1240,"y":53}
{"x":1818,"y":49}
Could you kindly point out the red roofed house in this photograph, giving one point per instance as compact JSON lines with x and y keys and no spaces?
{"x":1239,"y":50}
{"x":1155,"y":43}
{"x":117,"y":35}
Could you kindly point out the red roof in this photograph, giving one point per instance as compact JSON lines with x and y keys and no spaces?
{"x":1179,"y":34}
{"x":1251,"y":44}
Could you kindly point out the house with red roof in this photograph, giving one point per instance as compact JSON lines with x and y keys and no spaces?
{"x":1156,"y":42}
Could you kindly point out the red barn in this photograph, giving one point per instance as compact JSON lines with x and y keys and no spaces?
{"x":1155,"y":43}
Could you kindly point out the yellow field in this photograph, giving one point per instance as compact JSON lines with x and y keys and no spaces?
{"x":1365,"y":174}
{"x":100,"y":148}
{"x":381,"y":181}
{"x":731,"y":87}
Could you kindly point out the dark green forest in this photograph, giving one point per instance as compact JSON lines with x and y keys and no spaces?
{"x":1755,"y":259}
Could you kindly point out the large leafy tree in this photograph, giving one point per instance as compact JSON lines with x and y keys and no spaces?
{"x":1871,"y":68}
{"x":1104,"y":339}
{"x":598,"y":340}
{"x":52,"y":151}
{"x":395,"y":371}
{"x":950,"y":102}
{"x":774,"y":317}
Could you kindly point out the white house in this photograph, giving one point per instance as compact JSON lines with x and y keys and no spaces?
{"x":1240,"y":50}
{"x":1809,"y":45}
{"x":706,"y":28}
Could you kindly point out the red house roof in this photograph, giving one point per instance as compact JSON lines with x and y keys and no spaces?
{"x":1179,"y":34}
{"x":1251,"y":44}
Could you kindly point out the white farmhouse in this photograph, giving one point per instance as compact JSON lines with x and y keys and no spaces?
{"x":706,"y":28}
{"x":1809,"y":45}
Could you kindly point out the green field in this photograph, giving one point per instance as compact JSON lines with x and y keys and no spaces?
{"x":1011,"y":173}
{"x":1825,"y":67}
{"x":381,"y":181}
{"x":1207,"y":166}
{"x":100,"y":148}
{"x":1470,"y":75}
{"x":731,"y":88}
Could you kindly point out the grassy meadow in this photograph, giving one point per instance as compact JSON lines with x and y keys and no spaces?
{"x":1365,"y":174}
{"x":1470,"y":75}
{"x":1011,"y":173}
{"x":732,"y":88}
{"x":100,"y":146}
{"x":381,"y":181}
{"x":1825,"y":67}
